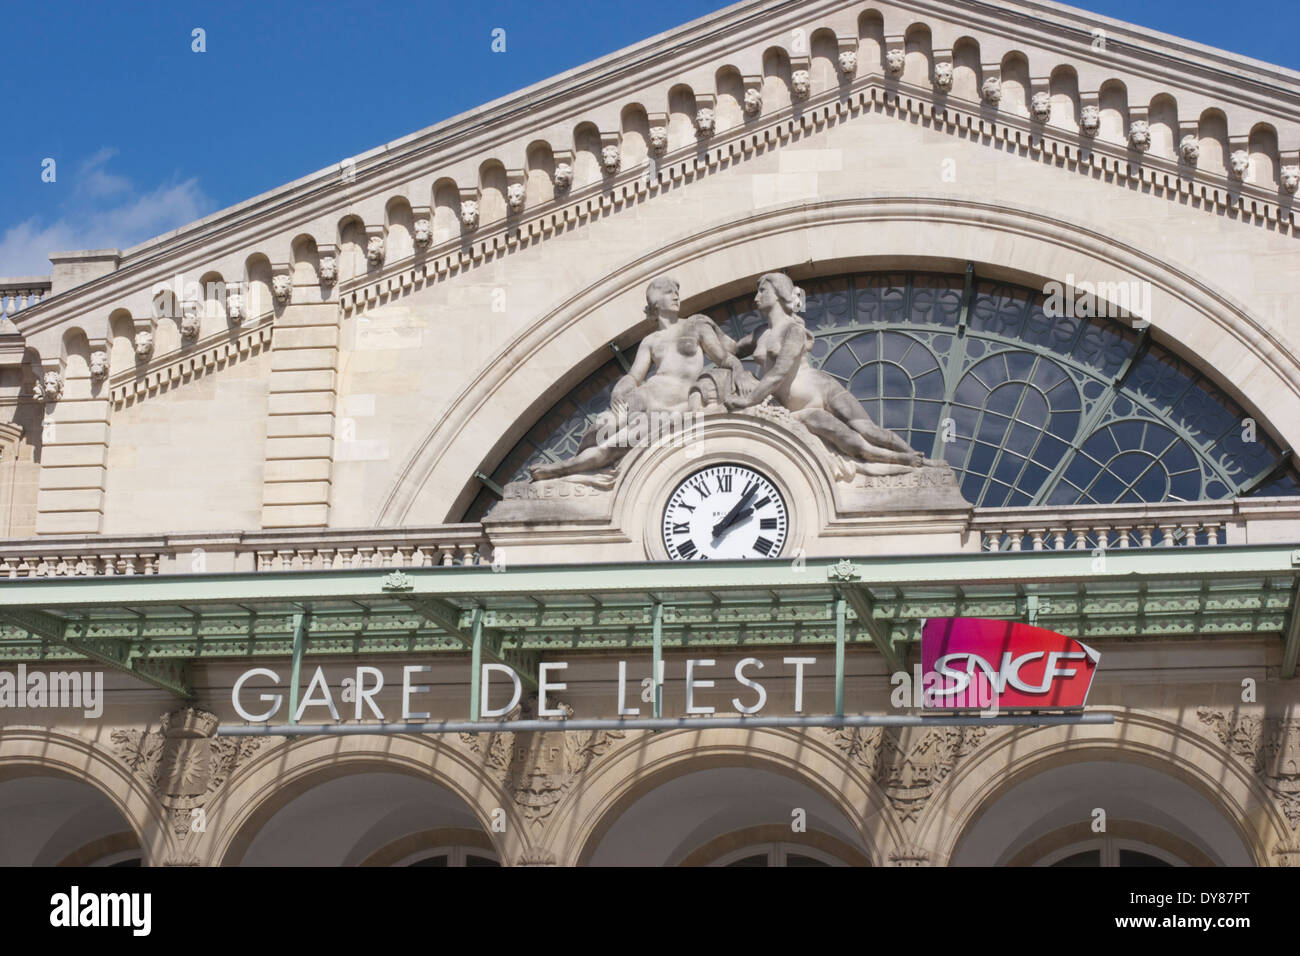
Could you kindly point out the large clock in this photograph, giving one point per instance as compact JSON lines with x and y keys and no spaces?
{"x":725,"y":512}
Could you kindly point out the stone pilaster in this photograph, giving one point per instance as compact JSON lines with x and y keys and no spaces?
{"x":74,"y":459}
{"x":300,"y":422}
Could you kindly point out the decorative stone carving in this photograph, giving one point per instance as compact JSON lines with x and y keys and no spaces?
{"x":704,"y":122}
{"x":49,"y":387}
{"x":1089,"y":120}
{"x":659,"y":139}
{"x":991,"y":91}
{"x":329,"y":267}
{"x":1189,"y":148}
{"x":469,"y":213}
{"x":282,"y":288}
{"x":843,"y":570}
{"x":539,"y":768}
{"x":753,"y":101}
{"x":563,"y":176}
{"x":143,"y":345}
{"x":397,"y":581}
{"x":848,"y":61}
{"x":515,"y":194}
{"x":801,"y":84}
{"x":190,"y":325}
{"x":375,"y":250}
{"x":181,"y":859}
{"x":98,"y":366}
{"x":910,"y":769}
{"x":1239,"y":162}
{"x":1040,"y":107}
{"x":235,"y":311}
{"x":636,"y":397}
{"x":909,"y":854}
{"x":183,"y":762}
{"x":611,"y":157}
{"x":895,"y":60}
{"x":1290,"y":178}
{"x":423,"y":233}
{"x":536,"y":858}
{"x":1139,"y":135}
{"x":943,"y":76}
{"x":1269,"y":746}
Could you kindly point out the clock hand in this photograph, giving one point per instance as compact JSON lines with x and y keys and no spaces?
{"x":731,"y":515}
{"x":734,"y":521}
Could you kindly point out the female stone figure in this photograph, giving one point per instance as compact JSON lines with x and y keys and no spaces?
{"x":815,"y":398}
{"x":676,"y":353}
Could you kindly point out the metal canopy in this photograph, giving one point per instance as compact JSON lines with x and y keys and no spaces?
{"x":153,"y":626}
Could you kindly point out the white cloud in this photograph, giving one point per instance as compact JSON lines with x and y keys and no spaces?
{"x":104,"y":210}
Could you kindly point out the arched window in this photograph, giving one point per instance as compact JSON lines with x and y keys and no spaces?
{"x":451,"y":856}
{"x":1029,"y":408}
{"x":1110,"y":851}
{"x":778,"y":854}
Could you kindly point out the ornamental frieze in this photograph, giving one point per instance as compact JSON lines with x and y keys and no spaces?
{"x":908,"y":771}
{"x":1269,"y":746}
{"x":538,"y":768}
{"x":184,"y":763}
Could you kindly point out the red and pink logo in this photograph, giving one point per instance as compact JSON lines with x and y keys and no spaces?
{"x":1017,"y":665}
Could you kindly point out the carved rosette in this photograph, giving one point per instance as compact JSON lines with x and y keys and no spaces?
{"x":183,"y":762}
{"x":329,"y":270}
{"x":1139,"y":135}
{"x":753,"y":102}
{"x":1269,"y":746}
{"x":895,"y":60}
{"x":538,"y":769}
{"x":943,"y":76}
{"x":143,"y":345}
{"x":1040,"y":107}
{"x":909,"y":770}
{"x":282,"y":288}
{"x":422,"y":234}
{"x":1291,"y":178}
{"x":659,"y":139}
{"x":563,"y":176}
{"x":1189,"y":148}
{"x":469,"y":213}
{"x":1239,"y":162}
{"x":98,"y":366}
{"x":801,"y":84}
{"x":611,"y":157}
{"x":704,"y":122}
{"x":375,"y":251}
{"x":848,"y":61}
{"x":1089,"y":120}
{"x":514,"y":197}
{"x":991,"y":91}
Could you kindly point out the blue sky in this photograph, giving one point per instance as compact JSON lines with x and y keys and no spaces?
{"x":148,"y":135}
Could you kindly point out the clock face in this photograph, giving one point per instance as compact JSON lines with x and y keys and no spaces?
{"x":725,"y":512}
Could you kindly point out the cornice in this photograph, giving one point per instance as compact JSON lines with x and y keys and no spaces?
{"x":1273,"y":92}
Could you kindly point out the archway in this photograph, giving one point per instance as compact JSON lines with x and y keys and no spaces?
{"x":368,"y":817}
{"x":48,"y":819}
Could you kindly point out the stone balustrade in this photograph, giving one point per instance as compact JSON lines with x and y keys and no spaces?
{"x":1165,"y":525}
{"x":22,"y":292}
{"x":197,"y":553}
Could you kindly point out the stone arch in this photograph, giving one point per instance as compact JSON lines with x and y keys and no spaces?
{"x":729,"y":111}
{"x":265,"y":785}
{"x":1263,"y":156}
{"x":616,"y":783}
{"x":716,"y":261}
{"x":1112,"y":102}
{"x":540,"y":161}
{"x":967,"y":73}
{"x":681,"y":116}
{"x":352,"y":250}
{"x":492,"y":192}
{"x":1063,"y":87}
{"x":305,"y":259}
{"x":1163,"y":118}
{"x":825,"y":71}
{"x":214,"y":288}
{"x":446,"y":210}
{"x":1015,"y":84}
{"x":918,"y":55}
{"x":1140,"y":738}
{"x":634,"y":139}
{"x":871,"y":42}
{"x":586,"y":155}
{"x":776,"y":79}
{"x":44,"y":751}
{"x":1213,"y":130}
{"x":258,"y":301}
{"x":399,"y":227}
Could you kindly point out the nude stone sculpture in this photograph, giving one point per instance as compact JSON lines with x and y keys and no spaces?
{"x":676,"y":353}
{"x":824,"y":406}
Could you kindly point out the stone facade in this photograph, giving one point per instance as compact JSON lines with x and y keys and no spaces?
{"x":345,"y":374}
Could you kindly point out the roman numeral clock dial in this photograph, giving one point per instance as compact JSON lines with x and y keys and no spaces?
{"x":724,"y":513}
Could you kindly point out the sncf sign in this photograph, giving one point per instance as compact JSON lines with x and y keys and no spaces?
{"x":1015,"y":665}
